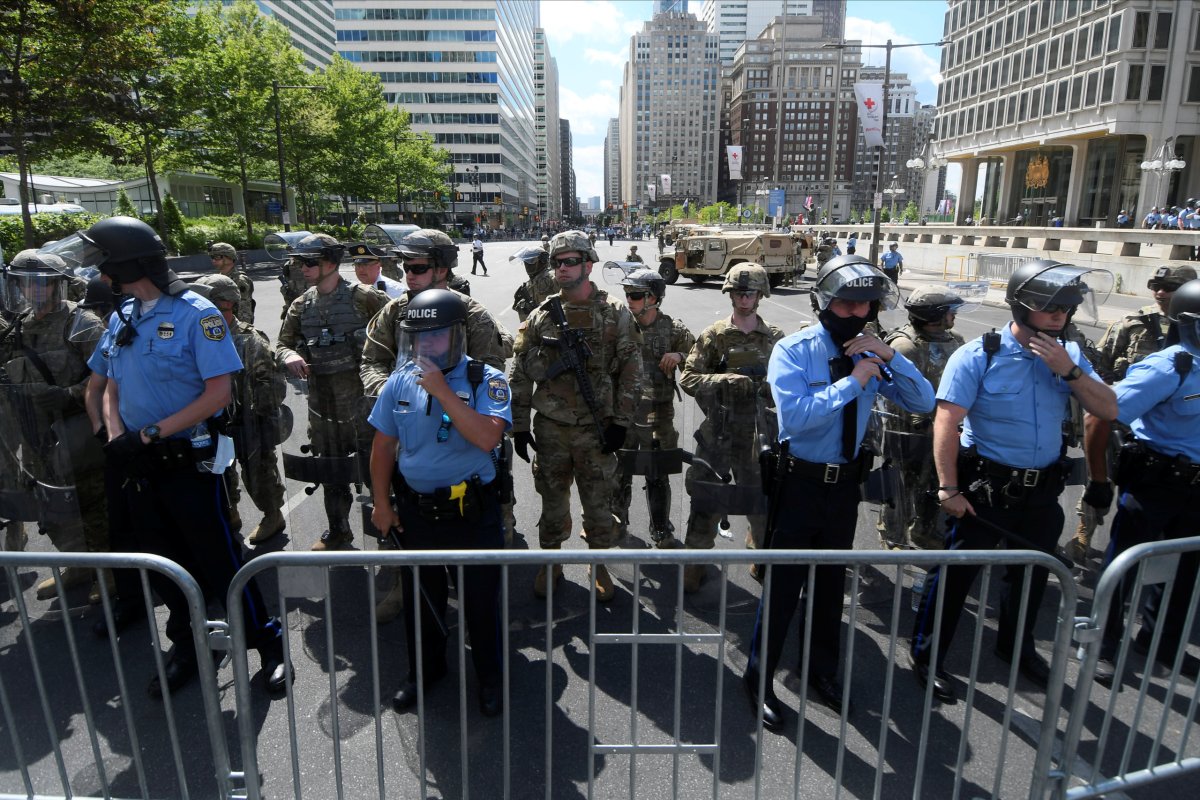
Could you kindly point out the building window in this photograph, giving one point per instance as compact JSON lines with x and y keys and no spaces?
{"x":1154,"y":88}
{"x":1076,"y":91}
{"x":1106,"y":84}
{"x":1068,"y":45}
{"x":1193,"y":90}
{"x":1133,"y":86}
{"x":1089,"y":88}
{"x":1097,"y":39}
{"x":1060,"y":107}
{"x":1162,"y":31}
{"x":1114,"y":33}
{"x":1141,"y":29}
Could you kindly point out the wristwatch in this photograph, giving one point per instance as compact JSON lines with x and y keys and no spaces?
{"x":152,"y":432}
{"x":1075,"y":374}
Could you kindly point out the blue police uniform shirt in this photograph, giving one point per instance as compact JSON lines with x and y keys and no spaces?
{"x":809,"y":402}
{"x":180,"y":343}
{"x":1016,"y":406}
{"x":852,"y":241}
{"x":405,"y":411}
{"x":1151,"y":218}
{"x":1161,"y":410}
{"x":892,"y":258}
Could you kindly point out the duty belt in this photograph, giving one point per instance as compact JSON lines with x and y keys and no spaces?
{"x":1016,"y":476}
{"x":460,"y":501}
{"x":830,"y":473}
{"x":1140,"y":464}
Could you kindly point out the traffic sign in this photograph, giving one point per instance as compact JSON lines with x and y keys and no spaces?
{"x":746,"y":213}
{"x":878,"y":200}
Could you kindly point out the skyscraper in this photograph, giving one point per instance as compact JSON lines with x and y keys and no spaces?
{"x":546,"y":138}
{"x":612,"y":163}
{"x":311,"y":25}
{"x":900,"y":144}
{"x":569,"y":200}
{"x":735,"y":21}
{"x":466,"y":75}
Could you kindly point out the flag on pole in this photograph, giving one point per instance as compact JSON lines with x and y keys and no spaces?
{"x":808,"y":202}
{"x":652,"y":189}
{"x":666,"y":183}
{"x":734,"y":153}
{"x":870,"y":111}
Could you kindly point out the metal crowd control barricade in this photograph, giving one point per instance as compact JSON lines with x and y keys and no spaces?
{"x":996,"y":267}
{"x":642,"y":696}
{"x":1144,"y":732}
{"x":77,"y":719}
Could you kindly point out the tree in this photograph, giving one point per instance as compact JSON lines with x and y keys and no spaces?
{"x":124,"y":204}
{"x":853,"y":216}
{"x":910,"y":213}
{"x":231,"y":133}
{"x":61,"y":64}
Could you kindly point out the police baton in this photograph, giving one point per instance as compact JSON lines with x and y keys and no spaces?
{"x":1018,"y":539}
{"x":393,"y":538}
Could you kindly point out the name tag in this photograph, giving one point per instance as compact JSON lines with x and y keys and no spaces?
{"x":817,"y":384}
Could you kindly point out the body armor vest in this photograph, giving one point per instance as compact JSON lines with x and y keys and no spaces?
{"x":656,"y":341}
{"x":332,"y":329}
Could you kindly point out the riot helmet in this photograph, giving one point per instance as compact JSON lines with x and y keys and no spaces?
{"x":434,"y":328}
{"x":123,"y":248}
{"x":747,"y":277}
{"x":1185,"y":315}
{"x":34,"y":282}
{"x":95,"y":307}
{"x":1045,"y":285}
{"x":646,"y":280}
{"x":319,"y":246}
{"x":536,"y":259}
{"x":853,"y":278}
{"x":930,"y":304}
{"x":432,"y":244}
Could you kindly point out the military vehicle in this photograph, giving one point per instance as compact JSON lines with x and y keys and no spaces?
{"x":709,"y":253}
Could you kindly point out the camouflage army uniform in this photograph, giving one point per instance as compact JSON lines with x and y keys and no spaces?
{"x":728,"y":437}
{"x":911,"y":447}
{"x":259,"y":389}
{"x":1130,"y":340}
{"x":57,"y":446}
{"x":563,"y":427}
{"x":292,"y":284}
{"x":487,"y":341}
{"x":14,"y":531}
{"x":538,"y":287}
{"x":327,"y":330}
{"x":654,"y":420}
{"x":244,"y":310}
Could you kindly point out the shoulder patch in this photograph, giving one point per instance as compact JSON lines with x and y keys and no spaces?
{"x":213,"y":327}
{"x":497,"y":389}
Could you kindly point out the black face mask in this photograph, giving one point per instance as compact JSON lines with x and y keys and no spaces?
{"x":841,"y":329}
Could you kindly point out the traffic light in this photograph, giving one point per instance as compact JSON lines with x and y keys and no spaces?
{"x":625,"y":206}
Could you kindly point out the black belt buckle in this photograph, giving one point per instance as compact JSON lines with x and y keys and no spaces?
{"x":833,"y":473}
{"x":1030,"y":477}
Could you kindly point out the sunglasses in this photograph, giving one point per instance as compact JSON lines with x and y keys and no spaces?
{"x":1056,"y":308}
{"x":417,"y":269}
{"x":1164,"y":286}
{"x":636,"y":295}
{"x":443,"y":433}
{"x":744,"y":293}
{"x":570,"y":261}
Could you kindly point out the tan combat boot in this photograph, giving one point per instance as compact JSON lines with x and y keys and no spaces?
{"x":542,"y":579}
{"x":271,"y":525}
{"x":1078,"y":547}
{"x":604,"y":585}
{"x":333,"y":541}
{"x":109,"y":582}
{"x":391,"y":605}
{"x":693,"y":576}
{"x":71,"y":577}
{"x":15,"y":537}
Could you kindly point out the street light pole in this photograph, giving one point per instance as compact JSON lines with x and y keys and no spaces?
{"x":887,"y":78}
{"x":283,"y":193}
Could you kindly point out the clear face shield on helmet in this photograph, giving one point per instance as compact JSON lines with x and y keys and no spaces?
{"x":1084,"y":289}
{"x":24,"y":291}
{"x":615,"y":272}
{"x":971,"y":293}
{"x":80,"y":255}
{"x":534,"y":258}
{"x":442,"y":347}
{"x":857,"y":281}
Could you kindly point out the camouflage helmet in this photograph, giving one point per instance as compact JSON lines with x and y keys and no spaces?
{"x":219,"y":287}
{"x":567,"y":241}
{"x":320,"y":245}
{"x":432,"y":244}
{"x":1170,"y":277}
{"x":931,"y":303}
{"x":747,"y":277}
{"x":222,"y":249}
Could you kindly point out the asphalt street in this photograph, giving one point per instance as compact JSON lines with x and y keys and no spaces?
{"x":330,"y":640}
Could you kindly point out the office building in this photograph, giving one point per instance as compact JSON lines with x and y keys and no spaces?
{"x":546,"y":160}
{"x":465,"y":72}
{"x":736,"y":21}
{"x":900,"y":144}
{"x":310,"y":23}
{"x":569,"y":200}
{"x":668,"y":114}
{"x":612,"y":163}
{"x":1051,"y":107}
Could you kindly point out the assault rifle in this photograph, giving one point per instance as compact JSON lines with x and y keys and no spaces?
{"x":574,"y":351}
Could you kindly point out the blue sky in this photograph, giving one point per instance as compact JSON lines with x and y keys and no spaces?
{"x":590,"y":41}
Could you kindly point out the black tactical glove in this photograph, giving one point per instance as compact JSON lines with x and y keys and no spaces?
{"x":614,"y":438}
{"x":1098,"y":495}
{"x":522,"y":444}
{"x":125,"y":451}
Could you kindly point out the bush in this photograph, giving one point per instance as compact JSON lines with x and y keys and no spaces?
{"x":854,"y":216}
{"x":46,"y":227}
{"x":124,"y":204}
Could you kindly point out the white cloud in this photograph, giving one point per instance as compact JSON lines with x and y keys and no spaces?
{"x":597,"y":21}
{"x":589,"y":170}
{"x":919,"y":63}
{"x":615,"y":58}
{"x":590,"y":114}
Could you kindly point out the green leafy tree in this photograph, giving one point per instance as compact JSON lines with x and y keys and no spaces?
{"x":231,"y":133}
{"x":124,"y":204}
{"x":911,"y":214}
{"x":853,"y":216}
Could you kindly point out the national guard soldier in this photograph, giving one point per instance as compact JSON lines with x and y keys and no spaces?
{"x":726,"y":371}
{"x":44,"y":378}
{"x":368,"y":268}
{"x":824,"y":379}
{"x":665,"y":344}
{"x":168,"y":357}
{"x":429,"y":259}
{"x":322,"y":341}
{"x":1158,"y":474}
{"x":256,"y":422}
{"x":633,"y":256}
{"x":1001,"y":478}
{"x":439,"y":419}
{"x":291,"y":278}
{"x":539,"y":286}
{"x":1125,"y":343}
{"x":578,"y":365}
{"x":224,"y":260}
{"x":927,"y":341}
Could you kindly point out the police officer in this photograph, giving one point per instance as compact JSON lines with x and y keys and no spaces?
{"x":44,"y":377}
{"x":892,"y":262}
{"x":1125,"y":343}
{"x":1010,"y":393}
{"x":430,"y":257}
{"x":321,"y":340}
{"x":1158,"y":474}
{"x":224,"y":261}
{"x":540,"y":283}
{"x":574,"y":439}
{"x":824,"y":379}
{"x":368,"y":268}
{"x":725,"y":371}
{"x":665,"y":344}
{"x":169,"y":358}
{"x":927,"y":341}
{"x":255,"y":419}
{"x":439,"y":418}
